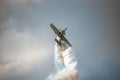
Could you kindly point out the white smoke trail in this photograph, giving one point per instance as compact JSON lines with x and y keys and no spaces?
{"x":66,"y":64}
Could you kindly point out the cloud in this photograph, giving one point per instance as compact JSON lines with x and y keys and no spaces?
{"x":19,"y":50}
{"x":22,"y":1}
{"x":7,"y":6}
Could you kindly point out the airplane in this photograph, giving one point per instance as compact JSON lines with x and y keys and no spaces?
{"x":62,"y":41}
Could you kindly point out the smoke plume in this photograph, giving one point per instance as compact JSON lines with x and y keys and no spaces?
{"x":65,"y":63}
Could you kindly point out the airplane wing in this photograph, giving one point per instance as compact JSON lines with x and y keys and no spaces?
{"x":66,"y":41}
{"x":55,"y":29}
{"x":59,"y":34}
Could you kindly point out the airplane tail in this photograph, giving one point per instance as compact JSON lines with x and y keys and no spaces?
{"x":63,"y":31}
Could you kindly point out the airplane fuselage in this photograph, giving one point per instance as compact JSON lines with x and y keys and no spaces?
{"x":62,"y":41}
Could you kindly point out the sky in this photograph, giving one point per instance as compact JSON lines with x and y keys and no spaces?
{"x":27,"y":42}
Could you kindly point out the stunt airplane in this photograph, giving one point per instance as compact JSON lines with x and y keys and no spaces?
{"x":62,"y":41}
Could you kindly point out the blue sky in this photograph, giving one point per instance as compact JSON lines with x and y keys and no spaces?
{"x":27,"y":42}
